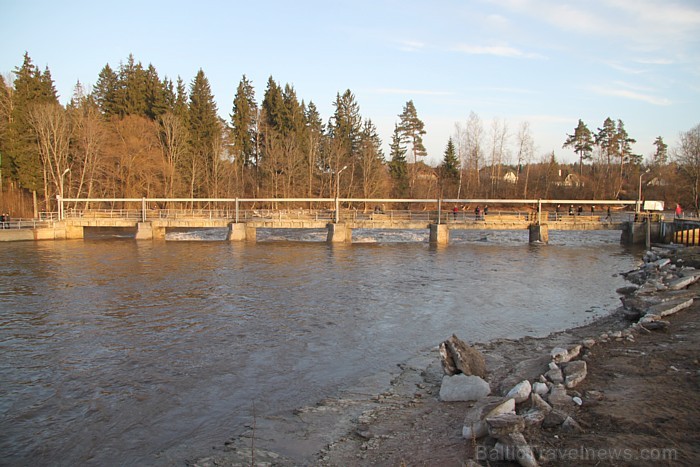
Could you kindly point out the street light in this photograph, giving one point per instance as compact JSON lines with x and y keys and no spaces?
{"x":337,"y":192}
{"x":639,"y":201}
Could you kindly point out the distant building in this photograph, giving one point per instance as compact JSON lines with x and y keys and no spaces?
{"x":571,"y":180}
{"x":510,"y":177}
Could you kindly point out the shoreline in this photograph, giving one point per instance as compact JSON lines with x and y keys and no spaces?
{"x":405,"y":419}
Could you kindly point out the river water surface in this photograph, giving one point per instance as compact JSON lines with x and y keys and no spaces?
{"x":118,"y":352}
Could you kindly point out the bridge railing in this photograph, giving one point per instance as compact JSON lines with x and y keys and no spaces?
{"x":26,"y":224}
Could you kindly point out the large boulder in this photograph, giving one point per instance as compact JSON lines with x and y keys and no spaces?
{"x":520,"y":392}
{"x":475,"y":426}
{"x":461,"y":388}
{"x":574,"y":373}
{"x":458,"y":357}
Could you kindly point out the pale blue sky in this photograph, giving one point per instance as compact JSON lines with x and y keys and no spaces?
{"x":542,"y":61}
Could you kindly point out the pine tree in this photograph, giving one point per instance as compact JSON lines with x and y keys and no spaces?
{"x":243,"y":123}
{"x":450,"y":163}
{"x":449,"y":168}
{"x":31,"y":88}
{"x":371,"y":166}
{"x":313,"y":143}
{"x":204,"y":130}
{"x":661,"y":154}
{"x":345,"y":125}
{"x":106,"y":91}
{"x":398,"y":168}
{"x":412,"y":131}
{"x":582,"y":143}
{"x":605,"y":139}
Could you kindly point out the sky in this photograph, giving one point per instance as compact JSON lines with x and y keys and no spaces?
{"x":545,"y":62}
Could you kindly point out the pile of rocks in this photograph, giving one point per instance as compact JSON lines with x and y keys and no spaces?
{"x":498,"y":425}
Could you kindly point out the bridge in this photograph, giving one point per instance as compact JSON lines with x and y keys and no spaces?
{"x":151,"y":218}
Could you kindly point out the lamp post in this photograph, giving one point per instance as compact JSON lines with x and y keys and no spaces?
{"x":60,"y":194}
{"x":639,"y":200}
{"x":337,"y":193}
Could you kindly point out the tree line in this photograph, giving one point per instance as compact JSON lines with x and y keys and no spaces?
{"x":135,"y":134}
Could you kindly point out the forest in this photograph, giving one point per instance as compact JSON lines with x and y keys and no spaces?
{"x":135,"y":134}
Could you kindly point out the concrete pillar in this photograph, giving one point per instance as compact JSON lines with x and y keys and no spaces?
{"x":339,"y":233}
{"x":539,"y":233}
{"x":236,"y":231}
{"x":144,"y":231}
{"x":74,"y":232}
{"x":251,"y":233}
{"x":158,"y":231}
{"x":439,"y":234}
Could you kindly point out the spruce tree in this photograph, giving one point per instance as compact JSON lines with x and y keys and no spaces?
{"x":398,"y":168}
{"x":244,"y":122}
{"x":106,"y":91}
{"x":31,"y":88}
{"x":204,"y":130}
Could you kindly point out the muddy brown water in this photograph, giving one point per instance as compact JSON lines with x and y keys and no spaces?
{"x":117,"y":352}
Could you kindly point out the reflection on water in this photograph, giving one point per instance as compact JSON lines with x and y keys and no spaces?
{"x":125,"y":352}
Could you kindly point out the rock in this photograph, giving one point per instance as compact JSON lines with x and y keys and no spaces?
{"x":504,"y":424}
{"x":554,"y":418}
{"x":514,"y":447}
{"x":462,"y":387}
{"x":649,"y":318}
{"x":588,"y":343}
{"x":575,"y":372}
{"x":533,"y":417}
{"x":540,"y":388}
{"x":561,"y":355}
{"x":657,"y":325}
{"x":670,"y":307}
{"x":577,"y":400}
{"x":520,"y":392}
{"x":540,"y":404}
{"x":559,"y":397}
{"x":448,"y":364}
{"x":627,"y":290}
{"x":571,"y":426}
{"x":474,"y":425}
{"x":555,"y":376}
{"x":456,"y":356}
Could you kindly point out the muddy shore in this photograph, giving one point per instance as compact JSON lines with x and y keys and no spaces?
{"x":647,"y":411}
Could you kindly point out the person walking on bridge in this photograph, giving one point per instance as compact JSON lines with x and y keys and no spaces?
{"x":679,"y":211}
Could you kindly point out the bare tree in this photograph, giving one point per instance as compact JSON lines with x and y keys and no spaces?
{"x":499,"y":138}
{"x":53,"y":132}
{"x":687,"y":155}
{"x":473,"y":147}
{"x":526,"y":149}
{"x":173,"y":139}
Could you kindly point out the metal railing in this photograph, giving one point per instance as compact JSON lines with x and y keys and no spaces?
{"x":242,"y":209}
{"x":26,"y":224}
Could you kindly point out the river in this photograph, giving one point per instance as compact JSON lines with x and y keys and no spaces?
{"x":118,"y":352}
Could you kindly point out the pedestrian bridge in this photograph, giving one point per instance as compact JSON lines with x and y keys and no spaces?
{"x":153,"y":218}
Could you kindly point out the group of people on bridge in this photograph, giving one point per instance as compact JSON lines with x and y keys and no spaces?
{"x":478,"y":213}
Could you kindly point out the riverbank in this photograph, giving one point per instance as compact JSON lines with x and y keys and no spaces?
{"x":645,"y":406}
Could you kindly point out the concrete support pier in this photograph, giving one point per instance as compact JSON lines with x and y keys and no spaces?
{"x":539,"y":233}
{"x":236,"y":232}
{"x":339,"y":233}
{"x":439,"y":234}
{"x":144,"y":231}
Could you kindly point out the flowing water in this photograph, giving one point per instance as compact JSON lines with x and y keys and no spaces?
{"x":118,"y":352}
